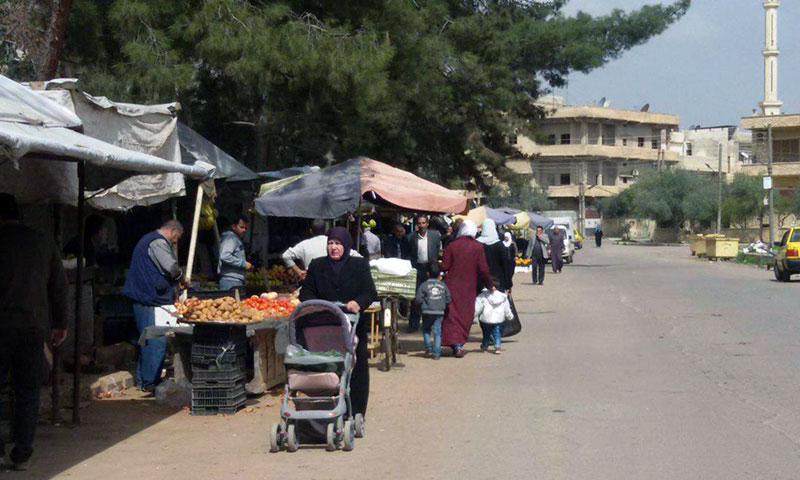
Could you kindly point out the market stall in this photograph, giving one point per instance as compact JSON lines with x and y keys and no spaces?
{"x":348,"y":189}
{"x":45,"y":158}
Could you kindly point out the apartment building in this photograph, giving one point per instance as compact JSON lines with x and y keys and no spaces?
{"x":700,"y":149}
{"x":604,"y":148}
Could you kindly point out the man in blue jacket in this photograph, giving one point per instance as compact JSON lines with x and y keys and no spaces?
{"x":151,"y":282}
{"x":233,"y":263}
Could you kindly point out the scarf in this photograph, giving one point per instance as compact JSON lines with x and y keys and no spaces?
{"x":507,"y":240}
{"x":341,"y":235}
{"x":488,"y":232}
{"x":468,"y":229}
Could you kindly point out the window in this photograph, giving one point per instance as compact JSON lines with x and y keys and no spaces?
{"x":655,"y":138}
{"x":688,"y":149}
{"x":609,"y":135}
{"x":551,"y":139}
{"x":565,"y":140}
{"x":624,"y":142}
{"x":784,"y":239}
{"x":625,"y":180}
{"x":795,"y":235}
{"x":641,"y":141}
{"x":565,"y":179}
{"x":786,"y":150}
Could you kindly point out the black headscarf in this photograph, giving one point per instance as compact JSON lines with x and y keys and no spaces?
{"x":341,"y":235}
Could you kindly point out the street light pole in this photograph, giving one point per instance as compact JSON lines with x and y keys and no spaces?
{"x":719,"y":192}
{"x":770,"y":197}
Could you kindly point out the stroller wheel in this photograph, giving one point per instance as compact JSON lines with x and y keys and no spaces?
{"x":331,"y":438}
{"x":275,"y":438}
{"x":291,"y":439}
{"x":349,"y":435}
{"x":360,"y":425}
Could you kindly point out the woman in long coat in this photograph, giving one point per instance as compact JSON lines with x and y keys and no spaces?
{"x":496,"y":255}
{"x":464,"y":262}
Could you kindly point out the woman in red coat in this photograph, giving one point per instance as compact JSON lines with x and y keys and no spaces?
{"x":464,"y":261}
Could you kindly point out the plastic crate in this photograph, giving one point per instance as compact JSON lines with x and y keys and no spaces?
{"x":219,"y":335}
{"x":385,"y":285}
{"x":223,"y":396}
{"x":227,"y":360}
{"x":214,"y":376}
{"x":201,"y":411}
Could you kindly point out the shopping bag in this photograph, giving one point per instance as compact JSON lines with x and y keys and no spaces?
{"x":511,"y":327}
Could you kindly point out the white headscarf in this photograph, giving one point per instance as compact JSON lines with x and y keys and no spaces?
{"x":488,"y":232}
{"x":468,"y":229}
{"x":507,"y":239}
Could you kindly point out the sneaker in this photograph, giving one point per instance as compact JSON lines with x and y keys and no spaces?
{"x":497,"y":351}
{"x":428,"y":353}
{"x":484,"y":348}
{"x":436,"y":357}
{"x":459,"y":353}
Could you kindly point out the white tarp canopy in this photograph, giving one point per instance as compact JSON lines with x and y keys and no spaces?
{"x":34,"y":131}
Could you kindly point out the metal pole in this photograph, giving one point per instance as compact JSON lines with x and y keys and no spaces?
{"x":76,"y":378}
{"x":719,"y":192}
{"x":582,"y":199}
{"x":55,"y":380}
{"x":771,"y":189}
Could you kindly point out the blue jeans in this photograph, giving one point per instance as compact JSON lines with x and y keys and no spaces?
{"x":491,"y":331}
{"x":151,"y":355}
{"x":226,"y":284}
{"x":432,"y":324}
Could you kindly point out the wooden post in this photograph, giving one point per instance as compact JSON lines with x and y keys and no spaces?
{"x":198,"y":205}
{"x":76,"y":378}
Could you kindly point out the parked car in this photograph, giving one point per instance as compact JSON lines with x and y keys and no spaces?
{"x":569,"y":243}
{"x":787,"y":260}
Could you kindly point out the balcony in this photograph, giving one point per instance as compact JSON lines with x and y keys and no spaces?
{"x":779,"y":169}
{"x":597,"y":151}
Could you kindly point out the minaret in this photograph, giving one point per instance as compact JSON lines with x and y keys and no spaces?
{"x":771,"y":105}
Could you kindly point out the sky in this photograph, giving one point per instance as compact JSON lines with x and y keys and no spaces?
{"x":707,"y":67}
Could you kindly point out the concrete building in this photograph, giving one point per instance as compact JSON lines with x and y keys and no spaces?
{"x":700,"y":149}
{"x":604,"y":148}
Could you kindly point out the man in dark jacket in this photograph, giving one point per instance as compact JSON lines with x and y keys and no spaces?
{"x":396,"y":246}
{"x":537,"y":252}
{"x":151,"y":282}
{"x":33,"y":303}
{"x":424,"y":247}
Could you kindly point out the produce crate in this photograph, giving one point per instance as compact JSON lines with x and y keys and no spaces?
{"x":229,"y":359}
{"x":215,"y":400}
{"x":405,"y":286}
{"x":200,"y":411}
{"x":211,"y":370}
{"x":219,"y":335}
{"x":722,"y":247}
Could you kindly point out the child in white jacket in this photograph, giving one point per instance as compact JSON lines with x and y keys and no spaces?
{"x":491,"y":310}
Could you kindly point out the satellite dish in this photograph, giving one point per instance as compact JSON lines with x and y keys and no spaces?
{"x":602,"y":102}
{"x":645,"y":108}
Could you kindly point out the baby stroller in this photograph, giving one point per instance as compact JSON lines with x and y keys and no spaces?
{"x":319,"y":363}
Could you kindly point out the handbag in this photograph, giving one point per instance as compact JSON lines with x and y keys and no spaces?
{"x":509,"y":328}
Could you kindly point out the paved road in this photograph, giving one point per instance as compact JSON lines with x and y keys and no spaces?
{"x":635,"y":363}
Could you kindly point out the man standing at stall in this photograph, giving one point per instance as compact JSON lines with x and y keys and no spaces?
{"x":33,"y":302}
{"x":307,"y":250}
{"x":424,"y":246}
{"x":233,"y":263}
{"x":396,"y":246}
{"x":151,"y":281}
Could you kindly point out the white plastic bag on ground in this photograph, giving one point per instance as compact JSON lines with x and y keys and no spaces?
{"x":392,"y":266}
{"x":174,"y":394}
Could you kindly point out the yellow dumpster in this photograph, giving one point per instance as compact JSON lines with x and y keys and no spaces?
{"x":722,"y":247}
{"x":697,"y":244}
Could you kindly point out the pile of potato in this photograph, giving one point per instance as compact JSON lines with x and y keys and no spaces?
{"x":225,"y":309}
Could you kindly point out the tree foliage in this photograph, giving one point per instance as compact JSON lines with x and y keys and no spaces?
{"x":520,"y":194}
{"x":744,"y":200}
{"x":435,"y":86}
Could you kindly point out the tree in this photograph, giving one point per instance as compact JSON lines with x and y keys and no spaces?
{"x":519,"y":194}
{"x":618,"y":206}
{"x":438,"y":86}
{"x":744,"y":200}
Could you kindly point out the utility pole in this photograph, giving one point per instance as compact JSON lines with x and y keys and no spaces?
{"x":719,"y":192}
{"x":582,"y":199}
{"x":770,"y":197}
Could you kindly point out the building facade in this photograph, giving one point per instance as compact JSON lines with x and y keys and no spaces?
{"x":597,"y":149}
{"x":700,"y":149}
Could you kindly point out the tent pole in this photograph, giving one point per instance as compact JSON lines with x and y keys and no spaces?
{"x":76,"y":378}
{"x":198,"y":205}
{"x":55,"y":380}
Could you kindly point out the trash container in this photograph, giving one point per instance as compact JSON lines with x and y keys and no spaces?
{"x":722,"y":247}
{"x":697,"y":244}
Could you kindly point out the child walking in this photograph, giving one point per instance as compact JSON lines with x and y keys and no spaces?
{"x":432,"y":298}
{"x":491,"y":310}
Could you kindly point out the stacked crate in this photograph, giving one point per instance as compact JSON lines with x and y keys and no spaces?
{"x":218,"y":369}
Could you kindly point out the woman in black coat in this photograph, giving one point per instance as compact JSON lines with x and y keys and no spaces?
{"x":497,"y":257}
{"x":342,"y":278}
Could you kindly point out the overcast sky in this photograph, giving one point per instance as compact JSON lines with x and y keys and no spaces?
{"x":707,"y":68}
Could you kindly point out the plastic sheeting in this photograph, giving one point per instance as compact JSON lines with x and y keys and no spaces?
{"x":194,"y":147}
{"x":17,"y":105}
{"x":338,"y":190}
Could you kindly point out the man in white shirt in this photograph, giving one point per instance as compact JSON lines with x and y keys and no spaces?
{"x":425,"y":246}
{"x":309,"y":249}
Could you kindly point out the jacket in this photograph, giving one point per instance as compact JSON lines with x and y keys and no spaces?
{"x":394,"y":247}
{"x":232,"y":260}
{"x":433,"y":296}
{"x":354,"y":282}
{"x":434,"y":246}
{"x":531,"y":250}
{"x":33,"y":286}
{"x":493,"y":308}
{"x":500,"y":265}
{"x":149,"y":282}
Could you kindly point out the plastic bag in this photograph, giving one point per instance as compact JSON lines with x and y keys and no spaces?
{"x":392,"y":266}
{"x":511,"y":327}
{"x":174,"y":394}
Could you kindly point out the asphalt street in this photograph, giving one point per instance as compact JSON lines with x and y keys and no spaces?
{"x":634,"y":363}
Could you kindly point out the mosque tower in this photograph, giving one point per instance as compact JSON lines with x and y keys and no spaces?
{"x":771,"y":105}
